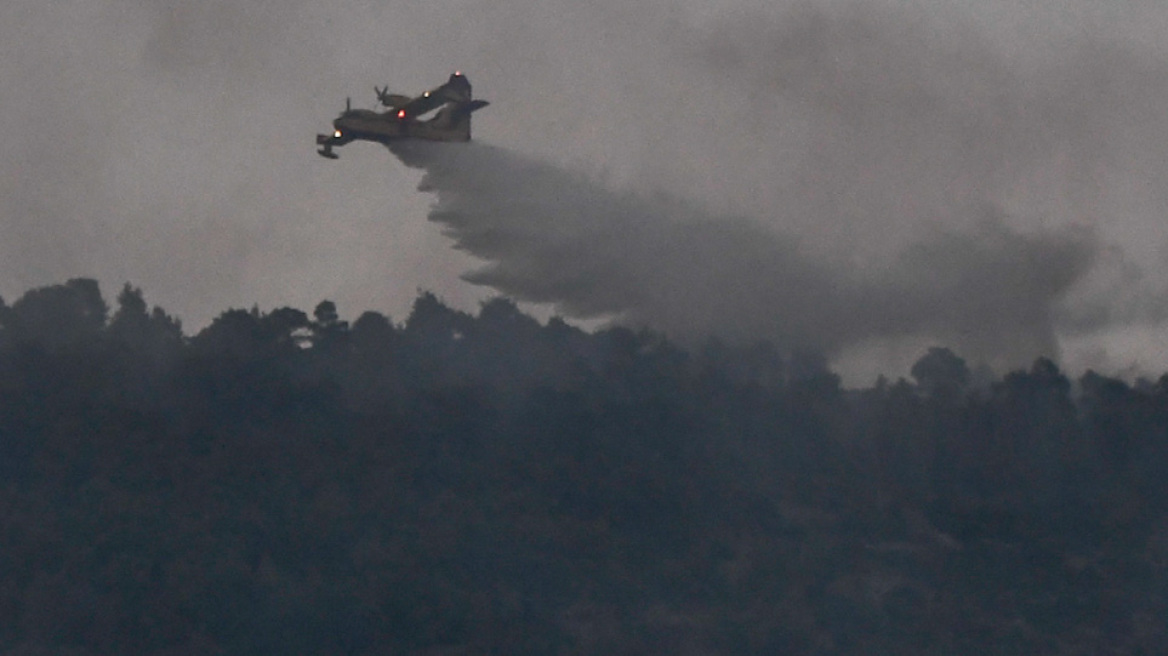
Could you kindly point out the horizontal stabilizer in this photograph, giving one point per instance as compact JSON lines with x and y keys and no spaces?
{"x":468,"y":107}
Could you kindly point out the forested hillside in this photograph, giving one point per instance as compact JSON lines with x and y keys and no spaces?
{"x":280,"y":483}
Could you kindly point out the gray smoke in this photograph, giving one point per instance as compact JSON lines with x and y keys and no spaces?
{"x":550,"y":235}
{"x":905,"y":177}
{"x":905,"y":161}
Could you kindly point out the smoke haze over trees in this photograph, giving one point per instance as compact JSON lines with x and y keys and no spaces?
{"x":860,"y":142}
{"x":289,"y":482}
{"x":550,"y":236}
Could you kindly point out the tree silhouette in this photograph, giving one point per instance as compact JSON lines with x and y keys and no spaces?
{"x":58,"y":317}
{"x":280,"y":483}
{"x":941,"y":373}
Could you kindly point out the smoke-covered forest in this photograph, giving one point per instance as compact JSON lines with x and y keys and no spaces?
{"x":290,"y":483}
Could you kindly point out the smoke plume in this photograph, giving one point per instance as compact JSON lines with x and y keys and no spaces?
{"x":833,"y":175}
{"x":900,"y":171}
{"x":549,"y":235}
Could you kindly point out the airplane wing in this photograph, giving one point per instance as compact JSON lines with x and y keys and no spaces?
{"x":456,"y":89}
{"x":422,"y":104}
{"x":391,"y":100}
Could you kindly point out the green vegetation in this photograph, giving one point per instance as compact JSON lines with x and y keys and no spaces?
{"x":286,"y":484}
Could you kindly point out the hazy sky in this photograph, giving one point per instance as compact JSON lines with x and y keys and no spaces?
{"x":877,"y":157}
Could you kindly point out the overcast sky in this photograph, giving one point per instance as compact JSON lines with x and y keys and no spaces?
{"x":889,"y":151}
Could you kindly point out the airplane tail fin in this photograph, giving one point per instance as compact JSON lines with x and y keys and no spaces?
{"x":457,"y":88}
{"x":456,"y":117}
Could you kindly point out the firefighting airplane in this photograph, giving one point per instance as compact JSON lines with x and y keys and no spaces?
{"x":403,"y":117}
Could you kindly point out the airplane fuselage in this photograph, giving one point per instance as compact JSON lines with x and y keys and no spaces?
{"x":384,"y":127}
{"x":403,"y":119}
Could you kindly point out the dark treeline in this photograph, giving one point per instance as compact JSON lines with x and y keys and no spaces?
{"x":281,"y":483}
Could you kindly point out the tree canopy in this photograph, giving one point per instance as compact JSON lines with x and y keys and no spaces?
{"x":457,"y":483}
